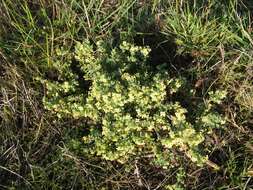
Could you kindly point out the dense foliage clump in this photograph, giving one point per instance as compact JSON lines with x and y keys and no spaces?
{"x":128,"y":102}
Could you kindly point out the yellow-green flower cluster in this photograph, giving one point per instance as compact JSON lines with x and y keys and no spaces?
{"x":128,"y":104}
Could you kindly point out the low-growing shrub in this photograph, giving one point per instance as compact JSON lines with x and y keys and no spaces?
{"x":128,"y":101}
